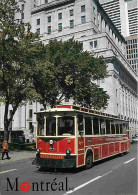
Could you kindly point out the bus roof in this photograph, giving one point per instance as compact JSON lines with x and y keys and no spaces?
{"x":55,"y":110}
{"x":73,"y":108}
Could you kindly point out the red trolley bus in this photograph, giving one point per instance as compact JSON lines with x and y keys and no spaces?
{"x":71,"y":136}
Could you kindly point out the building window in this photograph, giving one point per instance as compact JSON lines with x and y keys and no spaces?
{"x":30,"y":126}
{"x":49,"y":18}
{"x":81,"y":43}
{"x":83,"y":19}
{"x":91,"y":44}
{"x":83,"y":8}
{"x":30,"y":103}
{"x":66,"y":99}
{"x":71,"y":12}
{"x":22,"y":16}
{"x":30,"y":113}
{"x":60,"y":16}
{"x":71,"y":23}
{"x":22,"y":7}
{"x":117,"y":108}
{"x":46,"y":1}
{"x":34,"y":3}
{"x":38,"y":31}
{"x":108,"y":44}
{"x":60,"y":27}
{"x":38,"y":21}
{"x":95,"y":44}
{"x":93,"y":10}
{"x":116,"y":92}
{"x":94,"y":20}
{"x":49,"y":29}
{"x":102,"y":80}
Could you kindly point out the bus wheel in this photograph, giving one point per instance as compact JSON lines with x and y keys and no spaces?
{"x":125,"y":153}
{"x":89,"y":160}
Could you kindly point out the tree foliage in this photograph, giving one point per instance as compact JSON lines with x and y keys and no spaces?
{"x":69,"y":72}
{"x":19,"y":51}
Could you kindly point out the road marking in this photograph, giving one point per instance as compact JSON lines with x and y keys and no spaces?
{"x":8,"y":171}
{"x":83,"y":185}
{"x":106,"y":173}
{"x":129,"y":161}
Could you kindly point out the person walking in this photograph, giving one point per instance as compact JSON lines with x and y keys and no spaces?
{"x":5,"y":150}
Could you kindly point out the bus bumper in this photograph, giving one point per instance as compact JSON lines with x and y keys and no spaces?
{"x":55,"y":163}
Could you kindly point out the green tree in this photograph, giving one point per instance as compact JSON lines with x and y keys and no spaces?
{"x":69,"y":72}
{"x":19,"y":51}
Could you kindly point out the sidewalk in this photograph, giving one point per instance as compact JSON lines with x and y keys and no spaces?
{"x":17,"y":156}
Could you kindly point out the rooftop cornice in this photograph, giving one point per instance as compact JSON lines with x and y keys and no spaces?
{"x":51,"y":5}
{"x":115,"y":59}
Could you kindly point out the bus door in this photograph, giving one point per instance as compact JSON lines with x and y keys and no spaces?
{"x":80,"y":141}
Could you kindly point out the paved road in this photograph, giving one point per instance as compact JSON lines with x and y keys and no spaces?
{"x":115,"y":176}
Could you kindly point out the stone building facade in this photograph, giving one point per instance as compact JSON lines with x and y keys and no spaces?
{"x":87,"y":22}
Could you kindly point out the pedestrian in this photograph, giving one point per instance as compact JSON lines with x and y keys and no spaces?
{"x":5,"y":149}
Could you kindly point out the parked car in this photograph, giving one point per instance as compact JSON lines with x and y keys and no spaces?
{"x":135,"y":138}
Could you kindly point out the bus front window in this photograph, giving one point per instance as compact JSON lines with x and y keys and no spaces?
{"x":50,"y":126}
{"x":40,"y":130}
{"x":66,"y":125}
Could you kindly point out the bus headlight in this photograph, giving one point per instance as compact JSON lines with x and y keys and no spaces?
{"x":51,"y":142}
{"x":68,"y":152}
{"x":38,"y":151}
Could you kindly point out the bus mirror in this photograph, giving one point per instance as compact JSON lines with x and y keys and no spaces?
{"x":81,"y":133}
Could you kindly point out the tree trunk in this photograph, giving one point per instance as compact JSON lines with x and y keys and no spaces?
{"x":8,"y":121}
{"x":6,"y":132}
{"x":6,"y":129}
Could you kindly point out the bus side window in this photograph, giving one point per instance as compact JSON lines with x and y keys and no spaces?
{"x":108,"y":127}
{"x":117,"y":128}
{"x":102,"y":126}
{"x":124,"y":128}
{"x":96,"y":126}
{"x":88,"y":126}
{"x":112,"y":127}
{"x":127,"y":126}
{"x":40,"y":126}
{"x":121,"y":128}
{"x":80,"y":122}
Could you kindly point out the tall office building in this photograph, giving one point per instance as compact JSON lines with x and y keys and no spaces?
{"x":124,"y":14}
{"x":89,"y":24}
{"x":132,"y":51}
{"x":132,"y":7}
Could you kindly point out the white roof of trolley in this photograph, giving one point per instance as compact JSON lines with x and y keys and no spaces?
{"x":56,"y":110}
{"x":73,"y":108}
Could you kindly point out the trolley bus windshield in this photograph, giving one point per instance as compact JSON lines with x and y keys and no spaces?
{"x":63,"y":125}
{"x":50,"y":126}
{"x":66,"y":125}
